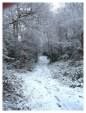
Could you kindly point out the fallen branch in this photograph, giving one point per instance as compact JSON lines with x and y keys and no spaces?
{"x":8,"y":58}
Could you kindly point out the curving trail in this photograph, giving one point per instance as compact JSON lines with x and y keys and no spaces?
{"x":45,"y":93}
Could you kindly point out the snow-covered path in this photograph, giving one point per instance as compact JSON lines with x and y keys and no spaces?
{"x":45,"y":93}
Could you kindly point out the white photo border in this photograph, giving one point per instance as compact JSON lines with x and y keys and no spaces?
{"x":1,"y":53}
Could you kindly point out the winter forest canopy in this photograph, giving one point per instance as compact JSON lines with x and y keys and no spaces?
{"x":31,"y":30}
{"x":35,"y":28}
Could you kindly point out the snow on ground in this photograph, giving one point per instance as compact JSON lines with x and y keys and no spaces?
{"x":45,"y":93}
{"x":69,"y":72}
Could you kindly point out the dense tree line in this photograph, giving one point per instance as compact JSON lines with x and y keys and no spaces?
{"x":33,"y":29}
{"x":65,"y":40}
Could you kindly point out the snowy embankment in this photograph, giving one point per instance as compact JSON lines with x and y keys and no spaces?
{"x":42,"y":92}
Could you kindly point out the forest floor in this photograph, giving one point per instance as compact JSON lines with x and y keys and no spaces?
{"x":43,"y":91}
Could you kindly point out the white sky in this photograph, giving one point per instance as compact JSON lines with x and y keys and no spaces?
{"x":56,"y":5}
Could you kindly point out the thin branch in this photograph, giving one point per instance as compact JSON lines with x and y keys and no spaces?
{"x":8,"y":58}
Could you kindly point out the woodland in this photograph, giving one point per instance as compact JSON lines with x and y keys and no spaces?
{"x":43,"y":56}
